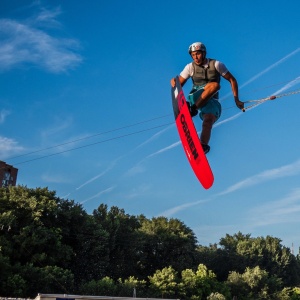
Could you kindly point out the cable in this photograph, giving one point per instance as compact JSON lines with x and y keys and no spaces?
{"x":272,"y":85}
{"x":256,"y":102}
{"x":104,"y":141}
{"x":263,"y":88}
{"x":262,"y":100}
{"x":88,"y":137}
{"x":126,"y":126}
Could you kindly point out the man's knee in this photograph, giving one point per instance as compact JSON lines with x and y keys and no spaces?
{"x":213,"y":86}
{"x":209,"y":119}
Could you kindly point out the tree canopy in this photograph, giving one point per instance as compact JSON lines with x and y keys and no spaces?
{"x":52,"y":245}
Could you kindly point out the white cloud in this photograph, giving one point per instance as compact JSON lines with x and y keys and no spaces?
{"x":59,"y":126}
{"x":58,"y":137}
{"x":288,"y":85}
{"x":176,"y":209}
{"x":90,"y":180}
{"x":288,"y":170}
{"x":96,"y":177}
{"x":9,"y":147}
{"x":271,"y":67}
{"x":276,"y":64}
{"x":164,"y":149}
{"x":138,"y":191}
{"x":25,"y":43}
{"x":50,"y":178}
{"x":155,"y":136}
{"x":65,"y":196}
{"x":285,"y":210}
{"x":108,"y":190}
{"x":228,"y":119}
{"x":3,"y":114}
{"x":137,"y":169}
{"x":48,"y":17}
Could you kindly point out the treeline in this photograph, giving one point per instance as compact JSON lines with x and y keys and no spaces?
{"x":51,"y":245}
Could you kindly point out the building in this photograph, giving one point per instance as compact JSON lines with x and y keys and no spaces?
{"x":77,"y":297}
{"x":8,"y":174}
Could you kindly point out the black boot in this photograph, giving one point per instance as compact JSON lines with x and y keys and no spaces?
{"x":193,"y":109}
{"x":205,"y":148}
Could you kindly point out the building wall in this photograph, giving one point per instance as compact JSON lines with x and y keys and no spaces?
{"x":81,"y":297}
{"x":8,"y":174}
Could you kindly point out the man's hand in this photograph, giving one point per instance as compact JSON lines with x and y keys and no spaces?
{"x":173,"y":82}
{"x":182,"y":81}
{"x":239,"y":103}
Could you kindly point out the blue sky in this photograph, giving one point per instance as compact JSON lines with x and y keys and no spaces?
{"x":90,"y":80}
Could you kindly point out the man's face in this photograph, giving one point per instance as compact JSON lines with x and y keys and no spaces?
{"x":197,"y":57}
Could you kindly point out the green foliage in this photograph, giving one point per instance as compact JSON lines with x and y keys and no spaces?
{"x":222,"y":260}
{"x":42,"y":232}
{"x":240,"y":251}
{"x":51,"y":245}
{"x":131,"y":286}
{"x":166,"y":243}
{"x":200,"y":284}
{"x":270,"y":255}
{"x":105,"y":286}
{"x":254,"y":283}
{"x":164,"y":282}
{"x":216,"y":296}
{"x":123,"y":240}
{"x":15,"y":285}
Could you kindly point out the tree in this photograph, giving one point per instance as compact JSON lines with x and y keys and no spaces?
{"x":105,"y":286}
{"x":230,"y":242}
{"x":216,"y":296}
{"x":43,"y":234}
{"x":254,"y":283}
{"x":28,"y":238}
{"x":6,"y":272}
{"x":166,"y":243}
{"x":164,"y":282}
{"x":237,"y":285}
{"x":122,"y":239}
{"x":200,"y":284}
{"x":220,"y":261}
{"x":54,"y":243}
{"x":271,"y":256}
{"x":132,"y":287}
{"x":91,"y":251}
{"x":240,"y":251}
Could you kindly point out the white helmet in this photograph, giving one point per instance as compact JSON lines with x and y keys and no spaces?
{"x":197,"y":47}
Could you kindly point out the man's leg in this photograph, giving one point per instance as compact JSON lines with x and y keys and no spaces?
{"x":209,"y":90}
{"x":207,"y":124}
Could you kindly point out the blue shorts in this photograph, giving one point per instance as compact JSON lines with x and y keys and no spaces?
{"x":213,"y":106}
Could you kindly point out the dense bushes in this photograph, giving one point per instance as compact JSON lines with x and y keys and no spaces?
{"x":51,"y":245}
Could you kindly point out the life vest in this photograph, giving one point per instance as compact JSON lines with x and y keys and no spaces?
{"x":206,"y":73}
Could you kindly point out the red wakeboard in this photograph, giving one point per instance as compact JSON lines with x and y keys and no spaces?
{"x":189,"y":138}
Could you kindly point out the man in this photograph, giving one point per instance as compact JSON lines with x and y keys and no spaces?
{"x":206,"y":75}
